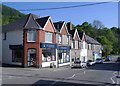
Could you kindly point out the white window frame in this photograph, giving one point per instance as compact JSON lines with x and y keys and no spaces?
{"x":28,"y":33}
{"x":47,"y":41}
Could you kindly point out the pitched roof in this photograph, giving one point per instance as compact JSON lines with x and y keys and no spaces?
{"x":21,"y":23}
{"x":91,"y":40}
{"x":72,"y":32}
{"x":42,"y":21}
{"x":80,"y":34}
{"x":58,"y":25}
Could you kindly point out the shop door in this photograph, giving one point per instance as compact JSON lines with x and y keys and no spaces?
{"x":31,"y":58}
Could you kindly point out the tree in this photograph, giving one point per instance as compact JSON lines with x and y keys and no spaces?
{"x":98,"y":24}
{"x":107,"y":45}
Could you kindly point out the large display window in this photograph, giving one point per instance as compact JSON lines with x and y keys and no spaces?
{"x":63,"y":56}
{"x":48,"y":54}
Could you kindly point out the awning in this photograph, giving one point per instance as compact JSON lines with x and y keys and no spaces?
{"x":15,"y":47}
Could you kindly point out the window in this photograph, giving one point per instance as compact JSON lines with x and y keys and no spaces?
{"x":92,"y":47}
{"x":67,"y":39}
{"x":4,"y":36}
{"x":89,"y":46}
{"x":17,"y":55}
{"x":73,"y":44}
{"x":48,"y":37}
{"x":81,"y":45}
{"x":48,"y":55}
{"x":60,"y":39}
{"x":63,"y":56}
{"x":31,"y":36}
{"x":78,"y":44}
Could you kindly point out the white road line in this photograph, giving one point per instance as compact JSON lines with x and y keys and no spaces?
{"x":53,"y":83}
{"x":114,"y":75}
{"x":72,"y":76}
{"x":57,"y":69}
{"x":112,"y":80}
{"x":84,"y":72}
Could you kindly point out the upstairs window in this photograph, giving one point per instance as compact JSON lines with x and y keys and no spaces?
{"x":81,"y":45}
{"x":4,"y":36}
{"x":60,"y":39}
{"x":48,"y":37}
{"x":31,"y":36}
{"x":67,"y":39}
{"x":73,"y":44}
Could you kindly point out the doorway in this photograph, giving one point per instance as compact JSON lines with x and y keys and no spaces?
{"x":31,"y":61}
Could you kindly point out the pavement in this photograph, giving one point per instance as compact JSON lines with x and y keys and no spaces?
{"x":99,"y":75}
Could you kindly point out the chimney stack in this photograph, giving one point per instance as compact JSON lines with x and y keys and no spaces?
{"x":69,"y":26}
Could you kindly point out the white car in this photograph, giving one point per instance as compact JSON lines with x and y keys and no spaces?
{"x":99,"y":61}
{"x":90,"y":63}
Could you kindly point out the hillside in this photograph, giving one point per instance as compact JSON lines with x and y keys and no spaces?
{"x":10,"y":14}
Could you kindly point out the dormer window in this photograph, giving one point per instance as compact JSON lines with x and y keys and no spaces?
{"x":31,"y":36}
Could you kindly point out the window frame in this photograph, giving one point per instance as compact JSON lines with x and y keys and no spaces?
{"x":28,"y":35}
{"x":4,"y":36}
{"x":47,"y":41}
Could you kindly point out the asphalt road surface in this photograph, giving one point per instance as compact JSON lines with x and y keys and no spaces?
{"x":106,"y":74}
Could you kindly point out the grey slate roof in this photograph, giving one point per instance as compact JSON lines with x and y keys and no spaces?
{"x":72,"y":32}
{"x":21,"y":23}
{"x":80,"y":34}
{"x":42,"y":21}
{"x":91,"y":40}
{"x":58,"y":25}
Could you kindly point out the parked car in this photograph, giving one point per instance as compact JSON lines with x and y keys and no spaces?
{"x":83,"y":65}
{"x":90,"y":63}
{"x":107,"y":58}
{"x":118,"y":59}
{"x":99,"y":61}
{"x":76,"y":63}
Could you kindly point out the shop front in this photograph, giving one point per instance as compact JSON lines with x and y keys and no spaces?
{"x":56,"y":54}
{"x":63,"y":55}
{"x":17,"y":54}
{"x":48,"y":54}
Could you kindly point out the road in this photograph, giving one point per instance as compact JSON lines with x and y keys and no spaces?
{"x":98,"y":75}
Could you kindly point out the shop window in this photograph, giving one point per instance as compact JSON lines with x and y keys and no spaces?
{"x":63,"y":56}
{"x":17,"y":55}
{"x":48,"y":37}
{"x":31,"y":57}
{"x":48,"y":55}
{"x":31,"y":36}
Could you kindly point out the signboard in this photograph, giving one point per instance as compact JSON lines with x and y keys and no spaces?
{"x":63,"y":47}
{"x":16,"y":46}
{"x":47,"y":45}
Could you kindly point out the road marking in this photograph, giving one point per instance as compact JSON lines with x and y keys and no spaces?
{"x":114,"y":75}
{"x":72,"y":76}
{"x":113,"y":82}
{"x":57,"y":69}
{"x":84,"y":72}
{"x":53,"y":83}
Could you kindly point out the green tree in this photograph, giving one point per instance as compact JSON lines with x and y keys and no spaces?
{"x":107,"y":45}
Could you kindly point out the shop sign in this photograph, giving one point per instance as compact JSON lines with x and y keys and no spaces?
{"x":47,"y":45}
{"x":63,"y":47}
